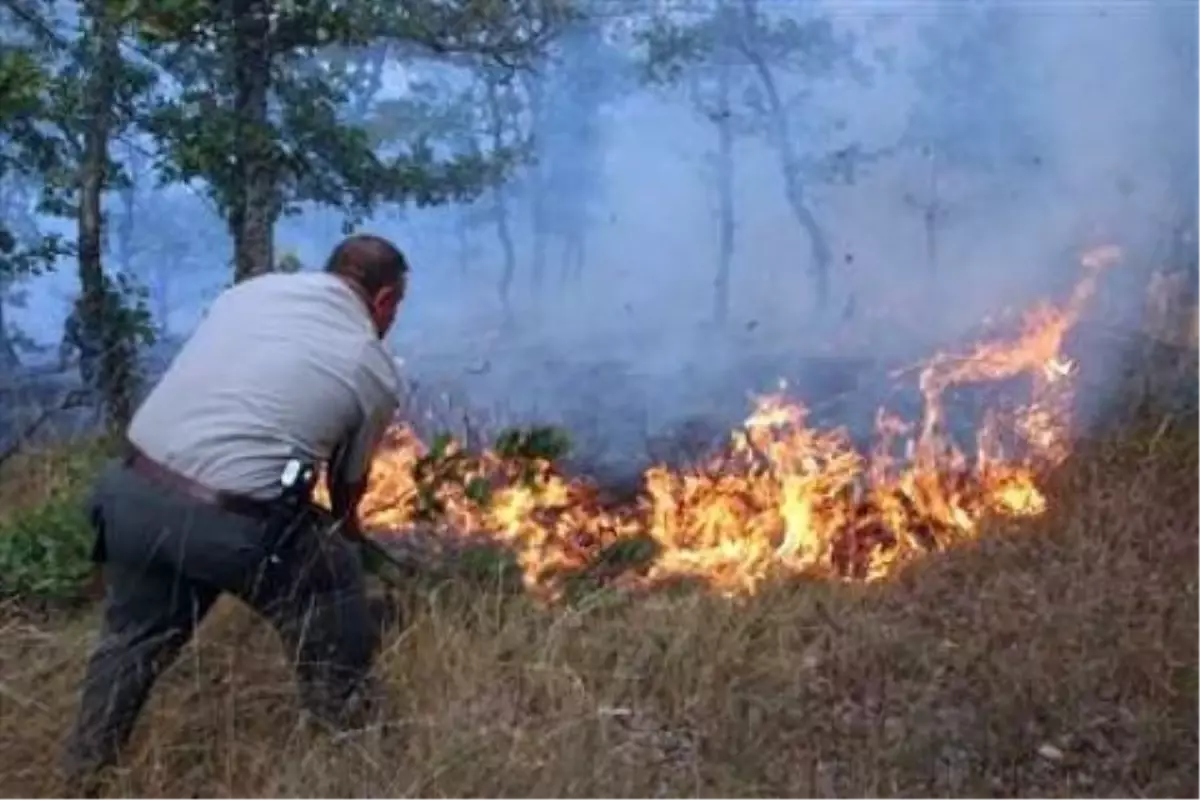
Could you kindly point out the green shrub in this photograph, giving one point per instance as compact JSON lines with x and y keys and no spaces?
{"x":45,"y":537}
{"x":45,"y":552}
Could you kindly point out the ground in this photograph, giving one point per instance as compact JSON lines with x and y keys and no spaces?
{"x":1051,"y":658}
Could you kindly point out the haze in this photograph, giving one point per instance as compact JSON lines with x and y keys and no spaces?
{"x":1106,"y":91}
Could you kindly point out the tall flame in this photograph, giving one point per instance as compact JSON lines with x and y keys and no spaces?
{"x":782,"y":497}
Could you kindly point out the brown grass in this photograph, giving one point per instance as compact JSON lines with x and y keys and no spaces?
{"x":1057,"y":658}
{"x":34,"y":475}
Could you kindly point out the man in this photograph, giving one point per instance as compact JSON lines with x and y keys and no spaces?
{"x":282,"y":364}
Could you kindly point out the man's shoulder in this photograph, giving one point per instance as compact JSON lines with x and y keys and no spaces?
{"x":282,"y":284}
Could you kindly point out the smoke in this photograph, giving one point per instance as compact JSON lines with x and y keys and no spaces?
{"x":1101,"y":97}
{"x":1090,"y":106}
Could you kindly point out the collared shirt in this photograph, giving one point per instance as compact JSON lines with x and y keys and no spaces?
{"x":281,"y":363}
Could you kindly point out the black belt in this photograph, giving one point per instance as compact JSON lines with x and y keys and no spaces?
{"x":242,"y":505}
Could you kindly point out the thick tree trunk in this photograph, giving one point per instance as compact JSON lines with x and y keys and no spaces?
{"x":725,"y":208}
{"x":105,"y":356}
{"x":256,"y":206}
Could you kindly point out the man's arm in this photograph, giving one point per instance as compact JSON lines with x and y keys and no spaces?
{"x":350,"y":467}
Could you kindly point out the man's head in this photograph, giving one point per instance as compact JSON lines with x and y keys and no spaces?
{"x":378,"y":272}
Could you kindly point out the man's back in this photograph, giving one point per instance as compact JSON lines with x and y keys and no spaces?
{"x":281,"y":362}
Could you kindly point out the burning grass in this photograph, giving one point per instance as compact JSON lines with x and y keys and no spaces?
{"x":1050,"y":656}
{"x":783,"y":497}
{"x":1051,"y":651}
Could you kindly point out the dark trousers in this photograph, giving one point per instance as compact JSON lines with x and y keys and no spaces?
{"x":166,"y":559}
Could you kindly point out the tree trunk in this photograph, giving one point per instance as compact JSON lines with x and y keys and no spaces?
{"x":537,"y":185}
{"x":725,"y":209}
{"x":108,"y":358}
{"x":819,"y":249}
{"x":500,"y":201}
{"x":9,"y":360}
{"x":504,"y":233}
{"x":781,"y":136}
{"x":256,"y":205}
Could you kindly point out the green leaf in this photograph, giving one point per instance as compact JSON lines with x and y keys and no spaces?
{"x":479,"y":491}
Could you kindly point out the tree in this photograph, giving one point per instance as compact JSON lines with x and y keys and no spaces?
{"x":24,"y":252}
{"x":502,"y":110}
{"x":969,"y":117}
{"x":762,"y":51}
{"x":264,"y":118}
{"x":58,"y":123}
{"x":31,"y":153}
{"x":579,"y":77}
{"x":711,"y":89}
{"x":475,"y":118}
{"x":161,"y":237}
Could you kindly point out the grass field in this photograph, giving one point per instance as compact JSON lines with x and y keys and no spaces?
{"x":1053,"y":657}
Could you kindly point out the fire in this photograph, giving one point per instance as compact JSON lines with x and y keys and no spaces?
{"x":782,"y":497}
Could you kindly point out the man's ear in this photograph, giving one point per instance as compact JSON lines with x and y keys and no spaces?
{"x":385,"y":299}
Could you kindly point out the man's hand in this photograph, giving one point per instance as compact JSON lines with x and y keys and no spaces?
{"x":344,"y":499}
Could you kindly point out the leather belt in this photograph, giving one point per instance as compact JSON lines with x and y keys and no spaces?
{"x":242,"y":505}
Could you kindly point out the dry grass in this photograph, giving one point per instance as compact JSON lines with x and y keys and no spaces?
{"x":1058,"y":658}
{"x":35,"y":475}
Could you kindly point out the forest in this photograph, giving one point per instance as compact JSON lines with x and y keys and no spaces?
{"x":799,"y":397}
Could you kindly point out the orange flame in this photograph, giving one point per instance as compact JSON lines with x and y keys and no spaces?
{"x":782,"y":498}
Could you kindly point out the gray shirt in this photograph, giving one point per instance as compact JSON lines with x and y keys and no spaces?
{"x":281,"y":362}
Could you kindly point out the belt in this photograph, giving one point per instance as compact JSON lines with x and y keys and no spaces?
{"x":242,"y":505}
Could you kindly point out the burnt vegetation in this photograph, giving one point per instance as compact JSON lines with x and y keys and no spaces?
{"x":953,"y":554}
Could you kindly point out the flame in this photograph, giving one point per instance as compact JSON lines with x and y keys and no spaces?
{"x":782,"y":497}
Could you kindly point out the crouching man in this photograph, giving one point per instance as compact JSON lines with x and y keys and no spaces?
{"x":282,"y":365}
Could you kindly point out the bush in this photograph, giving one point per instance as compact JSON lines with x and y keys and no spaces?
{"x":45,"y":552}
{"x":45,"y":537}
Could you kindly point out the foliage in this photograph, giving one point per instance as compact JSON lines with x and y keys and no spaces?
{"x":309,"y":147}
{"x":752,"y":56}
{"x":539,"y":442}
{"x":108,"y":337}
{"x":754,"y":46}
{"x":63,"y":99}
{"x":441,"y":133}
{"x":45,"y":536}
{"x":31,"y":152}
{"x":45,"y":553}
{"x":448,"y":463}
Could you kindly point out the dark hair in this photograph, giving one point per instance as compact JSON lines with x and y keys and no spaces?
{"x":371,"y":261}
